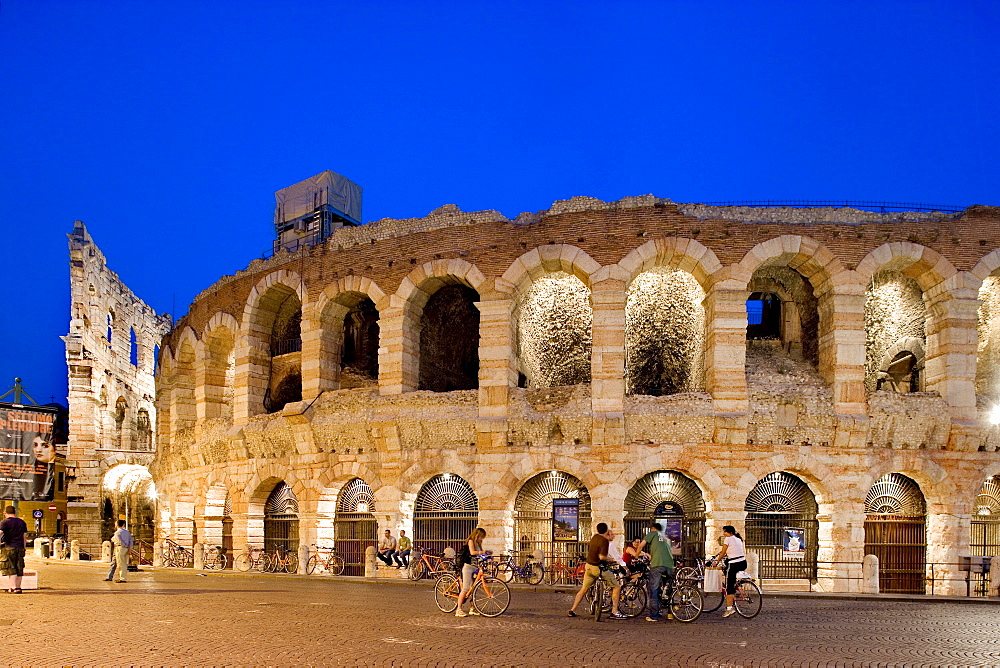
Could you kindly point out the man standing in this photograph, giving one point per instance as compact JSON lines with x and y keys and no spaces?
{"x":12,"y":531}
{"x":121,"y":543}
{"x":403,"y":554}
{"x":387,"y":548}
{"x":661,"y":565}
{"x":597,"y":554}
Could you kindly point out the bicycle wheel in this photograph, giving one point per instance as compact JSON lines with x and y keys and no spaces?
{"x":748,"y":599}
{"x":632,"y":602}
{"x":596,"y":598}
{"x":222,"y":560}
{"x":490,"y":597}
{"x":686,"y":573}
{"x":263,"y":562}
{"x":336,"y":565}
{"x":535,"y":573}
{"x":503,"y":571}
{"x":212,"y":562}
{"x":446,"y":591}
{"x":243,"y":562}
{"x":605,"y":593}
{"x":712,"y":600}
{"x":686,"y":603}
{"x":187,"y":559}
{"x":554,"y":574}
{"x":291,"y":562}
{"x":312,"y":564}
{"x":417,"y":570}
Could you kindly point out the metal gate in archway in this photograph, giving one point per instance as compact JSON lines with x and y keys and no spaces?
{"x":778,"y":502}
{"x":676,"y":502}
{"x":895,"y":532}
{"x":445,"y":513}
{"x":355,"y":526}
{"x":227,"y":531}
{"x":281,"y":519}
{"x":985,"y":536}
{"x":533,"y":514}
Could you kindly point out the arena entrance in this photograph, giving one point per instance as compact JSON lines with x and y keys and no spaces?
{"x":780,"y":508}
{"x":355,"y":526}
{"x":533,"y":515}
{"x":281,"y":519}
{"x":985,"y":538}
{"x":445,"y":513}
{"x":676,"y":502}
{"x":895,"y":520}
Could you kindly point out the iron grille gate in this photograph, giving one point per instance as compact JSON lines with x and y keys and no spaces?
{"x":445,"y":513}
{"x":985,"y":542}
{"x":355,"y":532}
{"x":900,"y":545}
{"x":692,"y":542}
{"x":533,"y":515}
{"x":281,"y":519}
{"x":765,"y":533}
{"x":663,"y":496}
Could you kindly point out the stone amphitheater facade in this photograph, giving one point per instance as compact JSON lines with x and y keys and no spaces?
{"x":567,"y":305}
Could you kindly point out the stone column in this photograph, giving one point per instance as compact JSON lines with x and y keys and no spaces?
{"x":497,"y":371}
{"x":947,"y":539}
{"x":950,"y":363}
{"x":725,"y":358}
{"x":607,"y":363}
{"x":399,"y":347}
{"x":842,"y":347}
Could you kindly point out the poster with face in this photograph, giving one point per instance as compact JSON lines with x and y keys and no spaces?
{"x":27,"y":453}
{"x":794,"y":545}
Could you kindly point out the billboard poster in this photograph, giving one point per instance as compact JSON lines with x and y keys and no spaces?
{"x":673,"y":527}
{"x":27,"y":453}
{"x":794,"y":546}
{"x":566,"y":519}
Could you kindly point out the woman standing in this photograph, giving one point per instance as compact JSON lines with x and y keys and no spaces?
{"x":473,"y":547}
{"x":736,"y":561}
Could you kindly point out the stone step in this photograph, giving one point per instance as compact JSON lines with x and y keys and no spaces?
{"x":785,"y":585}
{"x":390,"y":572}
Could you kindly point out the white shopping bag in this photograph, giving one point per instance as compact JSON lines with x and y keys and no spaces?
{"x":713,"y":579}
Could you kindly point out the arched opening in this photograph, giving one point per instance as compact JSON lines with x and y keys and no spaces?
{"x":220,"y":371}
{"x":285,"y":378}
{"x":355,"y":527}
{"x":664,"y":333}
{"x":359,"y":357}
{"x":763,"y":316}
{"x":988,"y":352}
{"x":130,"y":494}
{"x":133,"y":347}
{"x":227,"y":530}
{"x":985,"y":536}
{"x":281,"y":519}
{"x":121,"y":430}
{"x":895,"y":532}
{"x":143,"y":430}
{"x":895,"y":316}
{"x":552,"y":514}
{"x":449,"y":340}
{"x":781,"y":509}
{"x":182,"y":383}
{"x":554,"y":322}
{"x":782,"y":315}
{"x":445,"y":513}
{"x":676,"y":502}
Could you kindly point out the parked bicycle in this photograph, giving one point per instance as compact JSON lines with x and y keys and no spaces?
{"x":490,"y":596}
{"x":176,"y":555}
{"x":325,"y":560}
{"x":631,"y":600}
{"x":424,"y":563}
{"x":254,"y":558}
{"x":506,"y":568}
{"x":284,"y":560}
{"x":747,"y":601}
{"x":215,"y":558}
{"x":565,"y":571}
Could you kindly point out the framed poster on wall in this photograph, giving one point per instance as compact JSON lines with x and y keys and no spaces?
{"x":566,"y":519}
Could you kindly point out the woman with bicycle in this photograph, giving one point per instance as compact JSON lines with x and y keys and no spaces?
{"x":735,"y":556}
{"x":473,"y":547}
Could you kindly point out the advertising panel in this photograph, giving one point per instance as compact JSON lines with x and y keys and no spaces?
{"x":794,"y":546}
{"x":27,"y":452}
{"x":673,"y":527}
{"x":566,"y":519}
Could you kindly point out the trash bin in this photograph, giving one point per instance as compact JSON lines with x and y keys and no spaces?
{"x":44,"y":549}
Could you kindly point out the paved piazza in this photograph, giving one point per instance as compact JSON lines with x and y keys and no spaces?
{"x":173,"y":618}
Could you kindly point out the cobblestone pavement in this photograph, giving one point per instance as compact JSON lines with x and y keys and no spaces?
{"x":178,"y":618}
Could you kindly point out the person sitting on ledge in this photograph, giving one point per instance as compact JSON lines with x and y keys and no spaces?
{"x":387,"y":548}
{"x":402,"y":555}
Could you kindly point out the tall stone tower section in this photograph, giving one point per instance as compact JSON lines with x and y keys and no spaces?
{"x":111,"y":351}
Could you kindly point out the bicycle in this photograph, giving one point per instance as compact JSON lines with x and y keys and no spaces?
{"x":631,"y":599}
{"x":748,"y":599}
{"x":284,"y":559}
{"x":490,"y":596}
{"x":325,"y":559}
{"x":255,"y":558}
{"x":507,"y":570}
{"x":176,"y":555}
{"x":683,"y":596}
{"x":423,"y":562}
{"x":215,"y":559}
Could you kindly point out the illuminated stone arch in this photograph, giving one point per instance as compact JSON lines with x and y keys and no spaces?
{"x":182,"y":382}
{"x":688,"y":255}
{"x":217,"y":367}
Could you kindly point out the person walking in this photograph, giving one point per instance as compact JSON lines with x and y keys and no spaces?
{"x":473,"y":547}
{"x":402,"y":555}
{"x":661,"y":565}
{"x":735,"y":556}
{"x":12,"y":531}
{"x":121,"y":543}
{"x":387,"y":548}
{"x":597,"y":554}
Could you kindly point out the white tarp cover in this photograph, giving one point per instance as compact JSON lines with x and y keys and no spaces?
{"x":325,"y":188}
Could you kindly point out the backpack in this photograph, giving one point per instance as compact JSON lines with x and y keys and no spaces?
{"x":464,"y":555}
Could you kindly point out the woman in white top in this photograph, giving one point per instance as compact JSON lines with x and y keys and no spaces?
{"x":736,"y":561}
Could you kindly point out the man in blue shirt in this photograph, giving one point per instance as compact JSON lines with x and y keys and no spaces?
{"x":121,"y":543}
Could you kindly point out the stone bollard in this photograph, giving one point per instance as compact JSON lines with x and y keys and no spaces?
{"x":869,"y":575}
{"x":449,"y":553}
{"x":74,"y":550}
{"x":106,"y":551}
{"x":994,"y":577}
{"x":199,"y":557}
{"x":57,"y":548}
{"x":157,"y":554}
{"x":303,"y":559}
{"x":371,"y":568}
{"x":753,"y":566}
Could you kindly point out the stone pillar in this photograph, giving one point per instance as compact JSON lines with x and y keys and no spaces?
{"x":607,"y":362}
{"x":950,"y":362}
{"x":304,"y":554}
{"x":106,"y":548}
{"x":842,"y":346}
{"x":371,"y":562}
{"x":253,"y":360}
{"x":157,"y":554}
{"x":497,"y":371}
{"x":399,"y":347}
{"x":321,"y":349}
{"x":947,"y":539}
{"x":869,"y":575}
{"x":994,"y":577}
{"x":725,"y":358}
{"x":199,"y":556}
{"x":753,"y":566}
{"x":74,"y":551}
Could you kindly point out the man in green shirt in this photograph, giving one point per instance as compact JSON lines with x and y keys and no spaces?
{"x":403,"y":546}
{"x":661,"y":565}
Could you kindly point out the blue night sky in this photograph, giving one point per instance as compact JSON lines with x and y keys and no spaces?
{"x":167,"y":126}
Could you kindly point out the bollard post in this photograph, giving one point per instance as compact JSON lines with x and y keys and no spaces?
{"x":371,"y":568}
{"x":753,"y":565}
{"x":199,"y":557}
{"x":994,"y":577}
{"x":74,"y":550}
{"x":106,"y":548}
{"x":869,"y":575}
{"x":157,"y":554}
{"x":57,"y":548}
{"x":303,"y":559}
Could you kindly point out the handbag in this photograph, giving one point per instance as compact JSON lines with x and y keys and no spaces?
{"x":713,"y":579}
